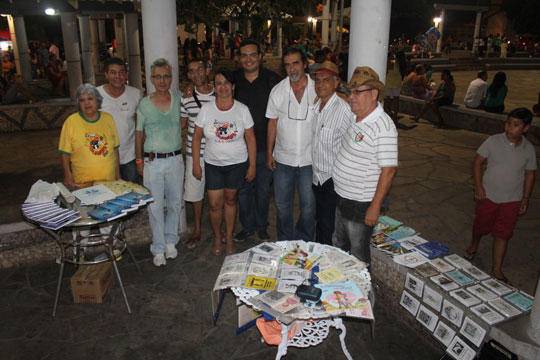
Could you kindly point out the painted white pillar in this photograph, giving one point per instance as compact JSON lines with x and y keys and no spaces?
{"x":119,"y":36}
{"x":314,"y":28}
{"x":269,"y":25}
{"x":71,"y":48}
{"x":325,"y":24}
{"x":102,"y":32}
{"x":86,"y":50}
{"x":340,"y":36}
{"x":476,"y":30}
{"x":95,"y":44}
{"x":441,"y":29}
{"x":279,"y":38}
{"x":20,"y":47}
{"x":133,"y":50}
{"x":159,"y":37}
{"x":373,"y":18}
{"x":333,"y":25}
{"x":534,"y":317}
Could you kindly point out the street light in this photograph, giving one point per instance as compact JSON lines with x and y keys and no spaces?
{"x":437,"y":20}
{"x":50,"y":11}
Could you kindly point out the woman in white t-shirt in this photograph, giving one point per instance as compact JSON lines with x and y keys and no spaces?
{"x":227,"y":126}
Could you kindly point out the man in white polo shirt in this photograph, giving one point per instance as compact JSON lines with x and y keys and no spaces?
{"x":290,"y":112}
{"x":365,"y":165}
{"x":333,"y":118}
{"x":121,"y":101}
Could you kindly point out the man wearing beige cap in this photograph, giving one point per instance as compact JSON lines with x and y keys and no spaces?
{"x":333,"y":117}
{"x":365,"y":165}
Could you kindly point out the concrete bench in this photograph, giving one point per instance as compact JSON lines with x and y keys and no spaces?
{"x":462,"y":117}
{"x":434,"y":61}
{"x":441,"y":67}
{"x":518,"y":66}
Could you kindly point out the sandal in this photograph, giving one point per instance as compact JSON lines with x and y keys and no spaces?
{"x":503,"y":279}
{"x":231,"y":248}
{"x":216,"y":250}
{"x":469,"y":255}
{"x":193,"y":242}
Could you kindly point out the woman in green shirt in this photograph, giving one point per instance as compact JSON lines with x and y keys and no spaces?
{"x":496,"y":92}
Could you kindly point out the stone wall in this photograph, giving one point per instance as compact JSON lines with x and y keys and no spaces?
{"x":31,"y":245}
{"x":37,"y":116}
{"x":467,"y":119}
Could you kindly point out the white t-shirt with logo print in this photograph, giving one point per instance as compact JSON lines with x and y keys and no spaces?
{"x":224,"y":133}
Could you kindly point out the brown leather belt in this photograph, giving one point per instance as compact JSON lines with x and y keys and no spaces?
{"x":153,"y":155}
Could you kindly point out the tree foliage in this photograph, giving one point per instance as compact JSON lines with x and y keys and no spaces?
{"x":258,"y":11}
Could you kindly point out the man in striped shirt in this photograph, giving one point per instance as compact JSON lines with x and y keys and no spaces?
{"x":333,"y":117}
{"x":194,"y":188}
{"x":365,"y":165}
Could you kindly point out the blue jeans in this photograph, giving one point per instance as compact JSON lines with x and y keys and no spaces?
{"x":351,"y":232}
{"x":128,"y":172}
{"x":165,"y":180}
{"x":254,"y":198}
{"x":286,"y":178}
{"x":325,"y":197}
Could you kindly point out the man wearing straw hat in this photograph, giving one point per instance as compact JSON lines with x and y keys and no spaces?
{"x":365,"y":165}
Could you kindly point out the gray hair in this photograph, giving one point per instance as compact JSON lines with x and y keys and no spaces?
{"x":160,"y":63}
{"x":90,"y":90}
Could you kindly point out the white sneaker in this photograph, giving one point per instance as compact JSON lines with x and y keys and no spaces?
{"x":171,"y":252}
{"x":159,"y":260}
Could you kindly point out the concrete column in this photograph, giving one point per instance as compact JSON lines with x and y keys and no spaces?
{"x":369,"y":17}
{"x":340,"y":36}
{"x":269,"y":24}
{"x":325,"y":24}
{"x":333,"y":25}
{"x":95,"y":44}
{"x":314,"y":28}
{"x":159,"y":36}
{"x":534,"y":317}
{"x":20,"y":47}
{"x":102,"y":32}
{"x":119,"y":36}
{"x":71,"y":48}
{"x":86,"y":50}
{"x":279,"y":39}
{"x":441,"y":29}
{"x":133,"y":50}
{"x":477,"y":29}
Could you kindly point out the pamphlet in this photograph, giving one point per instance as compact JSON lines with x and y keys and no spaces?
{"x":345,"y":298}
{"x":94,"y":194}
{"x":520,"y":300}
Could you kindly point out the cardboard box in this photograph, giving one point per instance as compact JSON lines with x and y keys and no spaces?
{"x":91,"y":283}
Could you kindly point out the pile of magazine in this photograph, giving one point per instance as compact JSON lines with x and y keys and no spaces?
{"x":404,"y":244}
{"x":279,"y":268}
{"x":120,"y":206}
{"x":49,"y":214}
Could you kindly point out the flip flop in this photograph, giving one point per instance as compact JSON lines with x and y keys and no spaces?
{"x":503,"y":279}
{"x":193,"y":242}
{"x":469,"y":255}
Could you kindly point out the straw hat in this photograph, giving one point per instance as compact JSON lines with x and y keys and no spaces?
{"x":364,"y":75}
{"x":328,"y":67}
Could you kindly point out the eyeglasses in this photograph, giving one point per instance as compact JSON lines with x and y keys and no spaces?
{"x":164,"y":77}
{"x":289,"y":108}
{"x":358,"y":92}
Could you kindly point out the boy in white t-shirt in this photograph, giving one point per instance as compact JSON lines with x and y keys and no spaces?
{"x":503,"y":192}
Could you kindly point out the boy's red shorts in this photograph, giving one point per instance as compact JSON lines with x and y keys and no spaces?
{"x":497,"y":219}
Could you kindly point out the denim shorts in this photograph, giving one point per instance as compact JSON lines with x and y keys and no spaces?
{"x":225,"y":177}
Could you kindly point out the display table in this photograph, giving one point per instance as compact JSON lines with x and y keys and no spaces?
{"x":314,"y":327}
{"x":110,"y":237}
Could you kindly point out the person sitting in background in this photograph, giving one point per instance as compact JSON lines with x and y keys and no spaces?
{"x":536,"y":107}
{"x":320,"y":57}
{"x":56,"y":74}
{"x":89,"y":142}
{"x":496,"y":93}
{"x":393,"y":88}
{"x":444,"y":95}
{"x":476,"y":92}
{"x":419,"y":83}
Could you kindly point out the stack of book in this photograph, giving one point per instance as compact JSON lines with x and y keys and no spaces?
{"x":120,"y":206}
{"x":49,"y":214}
{"x":431,"y":249}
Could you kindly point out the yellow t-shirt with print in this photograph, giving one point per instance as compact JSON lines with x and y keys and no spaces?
{"x":90,"y":146}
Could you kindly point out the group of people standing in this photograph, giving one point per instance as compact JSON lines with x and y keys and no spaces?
{"x":246,"y":130}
